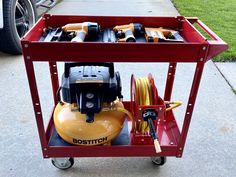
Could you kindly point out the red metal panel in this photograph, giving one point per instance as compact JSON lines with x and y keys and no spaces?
{"x":111,"y":21}
{"x":215,"y":48}
{"x":172,"y":127}
{"x":35,"y":33}
{"x":109,"y":151}
{"x":116,"y":52}
{"x":191,"y":34}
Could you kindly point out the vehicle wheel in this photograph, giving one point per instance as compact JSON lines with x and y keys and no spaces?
{"x":63,"y":163}
{"x":158,"y":160}
{"x":18,"y":16}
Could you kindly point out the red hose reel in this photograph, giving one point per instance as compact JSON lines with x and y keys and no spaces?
{"x":136,"y":109}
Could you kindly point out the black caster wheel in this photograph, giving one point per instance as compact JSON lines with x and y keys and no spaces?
{"x":63,"y":163}
{"x":158,"y":160}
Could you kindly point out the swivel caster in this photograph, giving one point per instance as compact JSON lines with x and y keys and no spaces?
{"x":63,"y":163}
{"x":158,"y":160}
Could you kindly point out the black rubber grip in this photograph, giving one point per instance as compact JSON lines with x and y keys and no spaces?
{"x":138,"y":28}
{"x":152,"y":129}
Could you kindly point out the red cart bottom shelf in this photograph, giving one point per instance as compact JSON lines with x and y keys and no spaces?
{"x":168,"y":135}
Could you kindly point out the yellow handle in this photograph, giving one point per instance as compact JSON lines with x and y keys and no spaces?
{"x":157,"y":146}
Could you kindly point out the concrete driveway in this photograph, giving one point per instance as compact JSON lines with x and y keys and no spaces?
{"x":210,"y":148}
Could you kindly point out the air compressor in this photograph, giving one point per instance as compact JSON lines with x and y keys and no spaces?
{"x":90,"y":93}
{"x":90,"y":109}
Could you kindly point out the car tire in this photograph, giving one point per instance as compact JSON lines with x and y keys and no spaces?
{"x":18,"y":16}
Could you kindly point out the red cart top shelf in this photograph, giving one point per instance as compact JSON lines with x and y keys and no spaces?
{"x":195,"y":48}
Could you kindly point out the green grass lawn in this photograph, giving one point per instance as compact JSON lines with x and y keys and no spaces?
{"x":219,"y":15}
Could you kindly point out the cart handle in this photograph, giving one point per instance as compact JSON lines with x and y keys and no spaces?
{"x":205,"y":28}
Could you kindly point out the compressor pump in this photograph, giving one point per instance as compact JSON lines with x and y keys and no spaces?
{"x":89,"y":85}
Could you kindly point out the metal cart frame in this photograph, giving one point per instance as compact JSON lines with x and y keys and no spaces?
{"x":196,"y":49}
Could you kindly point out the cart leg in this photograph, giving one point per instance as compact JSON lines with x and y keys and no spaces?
{"x":170,"y":81}
{"x":190,"y":106}
{"x":36,"y":104}
{"x":54,"y":79}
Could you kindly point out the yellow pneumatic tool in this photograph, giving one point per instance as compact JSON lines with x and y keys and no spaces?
{"x":126,"y":33}
{"x":82,"y":30}
{"x":162,"y":35}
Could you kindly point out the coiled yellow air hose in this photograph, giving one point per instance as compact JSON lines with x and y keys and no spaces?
{"x":144,"y":91}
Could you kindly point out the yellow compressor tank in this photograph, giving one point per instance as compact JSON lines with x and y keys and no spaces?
{"x":73,"y":128}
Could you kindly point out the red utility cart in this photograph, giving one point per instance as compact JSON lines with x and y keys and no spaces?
{"x":196,"y":49}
